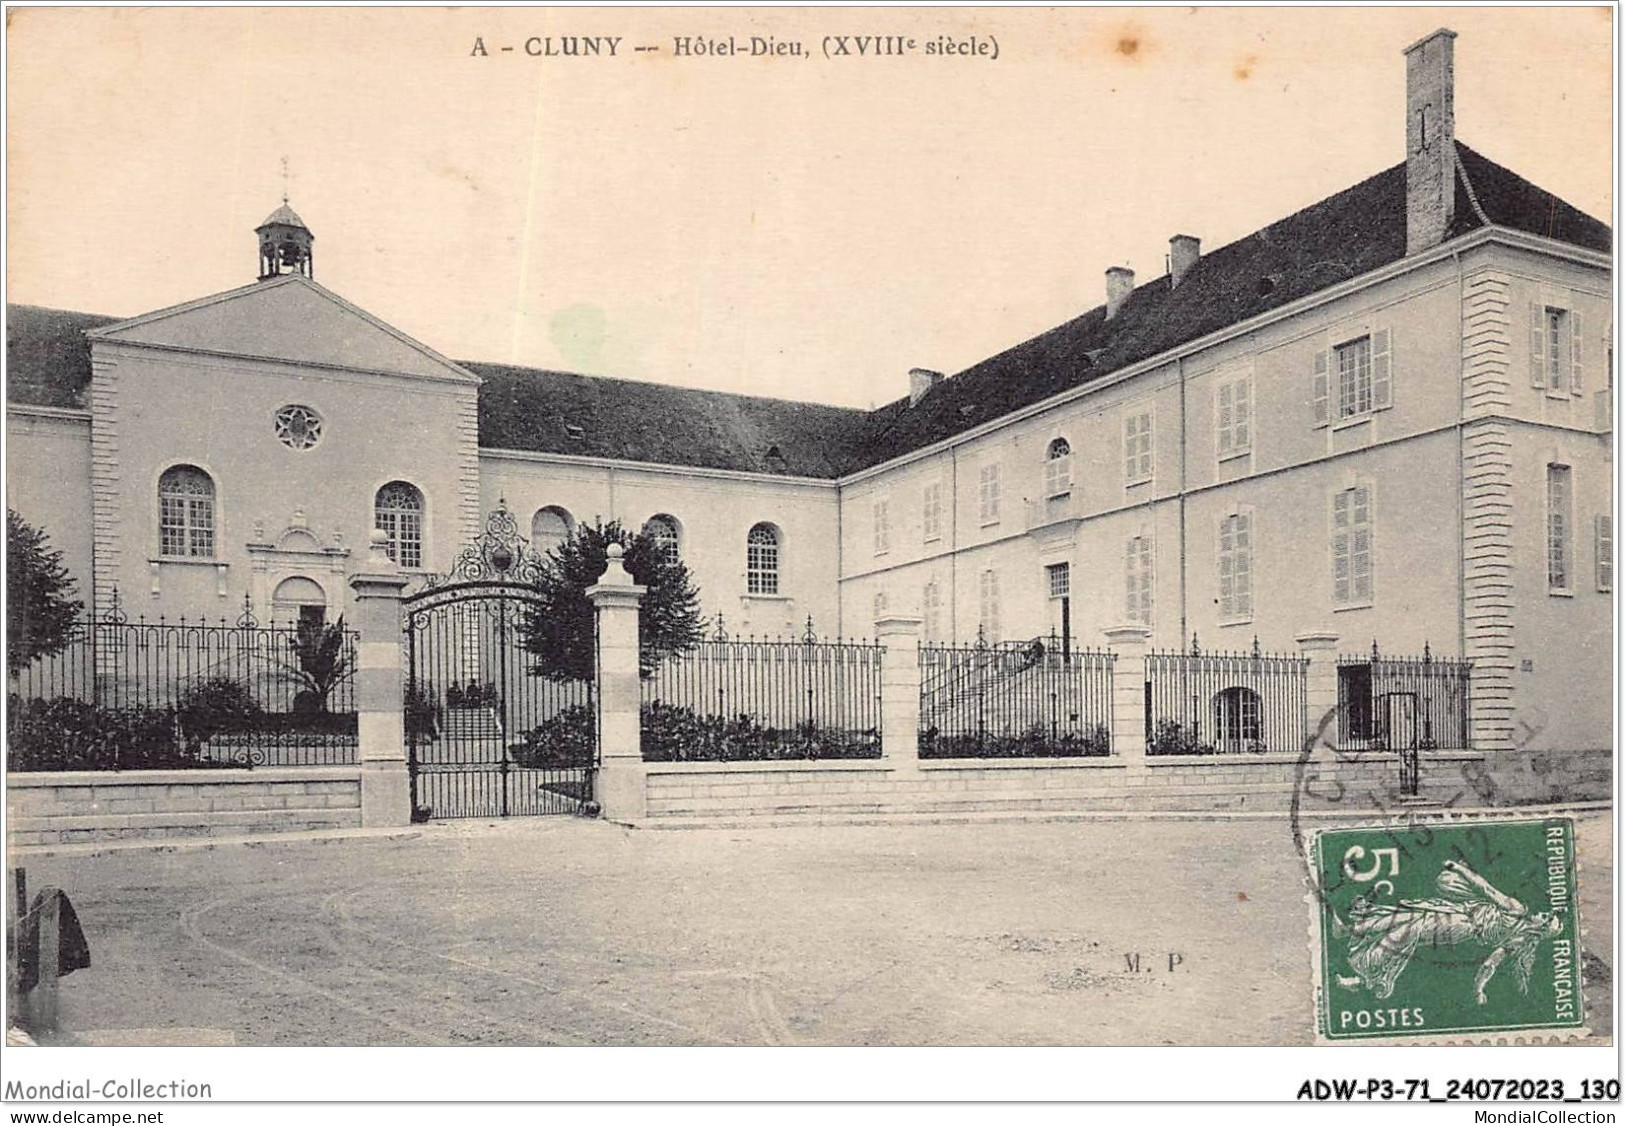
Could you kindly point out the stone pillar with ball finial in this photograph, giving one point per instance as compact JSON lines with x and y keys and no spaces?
{"x":381,"y":739}
{"x":620,"y":787}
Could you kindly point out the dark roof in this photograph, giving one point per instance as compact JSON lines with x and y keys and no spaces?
{"x":557,"y":412}
{"x":1511,"y":201}
{"x":285,"y":215}
{"x":1344,"y":236}
{"x":47,"y":355}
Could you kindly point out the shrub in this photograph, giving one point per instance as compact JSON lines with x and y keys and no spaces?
{"x":1170,"y":737}
{"x":566,"y":740}
{"x":67,"y":734}
{"x":217,"y":706}
{"x":674,"y":734}
{"x":1034,"y":742}
{"x":422,"y":712}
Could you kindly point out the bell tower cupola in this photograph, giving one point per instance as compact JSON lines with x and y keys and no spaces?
{"x":285,"y":244}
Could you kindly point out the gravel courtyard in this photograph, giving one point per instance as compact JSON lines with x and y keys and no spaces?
{"x":564,"y":931}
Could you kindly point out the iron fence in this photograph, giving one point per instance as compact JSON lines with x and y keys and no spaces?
{"x":737,"y":699}
{"x":1027,"y":699}
{"x":1200,"y":703}
{"x":125,"y":695}
{"x":1403,"y":703}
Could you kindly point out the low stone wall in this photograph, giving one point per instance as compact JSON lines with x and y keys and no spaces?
{"x":1324,"y":783}
{"x":86,"y":806}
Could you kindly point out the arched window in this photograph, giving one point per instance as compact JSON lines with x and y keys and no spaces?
{"x":186,"y":512}
{"x":550,"y":527}
{"x":1238,"y":720}
{"x":1058,"y":468}
{"x":762,"y":560}
{"x":667,"y":541}
{"x":398,"y":510}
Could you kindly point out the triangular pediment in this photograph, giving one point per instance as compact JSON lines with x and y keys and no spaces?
{"x":288,"y":320}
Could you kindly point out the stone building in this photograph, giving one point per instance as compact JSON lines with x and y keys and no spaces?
{"x":1387,"y":416}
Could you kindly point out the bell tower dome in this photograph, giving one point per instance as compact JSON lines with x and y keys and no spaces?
{"x":285,"y":244}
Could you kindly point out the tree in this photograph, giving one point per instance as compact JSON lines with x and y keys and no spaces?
{"x":320,"y":660}
{"x":559,"y":629}
{"x":40,"y":614}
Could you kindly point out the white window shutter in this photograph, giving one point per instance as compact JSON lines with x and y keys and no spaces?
{"x":1227,"y":416}
{"x":1244,"y":409}
{"x":1576,"y":336}
{"x":1605,"y":552}
{"x":1537,"y":345}
{"x":1382,"y":390}
{"x":1320,"y":388}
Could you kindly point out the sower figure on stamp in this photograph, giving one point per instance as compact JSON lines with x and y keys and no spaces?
{"x":1384,"y":937}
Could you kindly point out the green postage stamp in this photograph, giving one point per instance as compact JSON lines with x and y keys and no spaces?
{"x":1455,"y":928}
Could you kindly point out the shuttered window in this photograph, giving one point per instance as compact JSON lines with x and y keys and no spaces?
{"x":1605,"y":552}
{"x":1137,"y":580}
{"x":1137,"y":448}
{"x":1559,"y":528}
{"x":990,"y":606}
{"x":989,"y":491}
{"x":1234,"y":416}
{"x":1236,"y":567}
{"x":1351,"y":547}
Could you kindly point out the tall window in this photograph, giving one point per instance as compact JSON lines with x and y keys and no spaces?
{"x":1234,"y":422}
{"x":1137,"y":448}
{"x":931,"y":611}
{"x":1605,"y":553}
{"x":989,"y":488}
{"x":1138,"y":580}
{"x":1559,"y":528}
{"x":398,"y":510}
{"x":1236,"y":567}
{"x":1059,"y":579}
{"x":1355,"y":378}
{"x":663,"y":530}
{"x":186,"y":512}
{"x":1351,"y":546}
{"x":990,"y":606}
{"x":882,"y":525}
{"x":931,"y":512}
{"x":878,"y":606}
{"x":550,"y":527}
{"x":762,"y":560}
{"x":1058,"y":469}
{"x":1555,"y":322}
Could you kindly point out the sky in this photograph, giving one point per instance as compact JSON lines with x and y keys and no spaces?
{"x":804,"y":227}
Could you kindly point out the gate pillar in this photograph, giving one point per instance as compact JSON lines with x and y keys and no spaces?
{"x":385,"y":788}
{"x":620,"y":786}
{"x":1129,"y":642}
{"x":899,"y":690}
{"x":1319,"y":648}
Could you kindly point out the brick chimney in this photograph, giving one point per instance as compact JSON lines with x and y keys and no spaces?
{"x":1119,"y":284}
{"x":1430,"y":140}
{"x":921,"y":380}
{"x":1183,"y":251}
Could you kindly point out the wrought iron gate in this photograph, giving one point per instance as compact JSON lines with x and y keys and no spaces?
{"x":486,"y":736}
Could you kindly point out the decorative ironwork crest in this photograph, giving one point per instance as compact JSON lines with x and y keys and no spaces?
{"x":498,"y":554}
